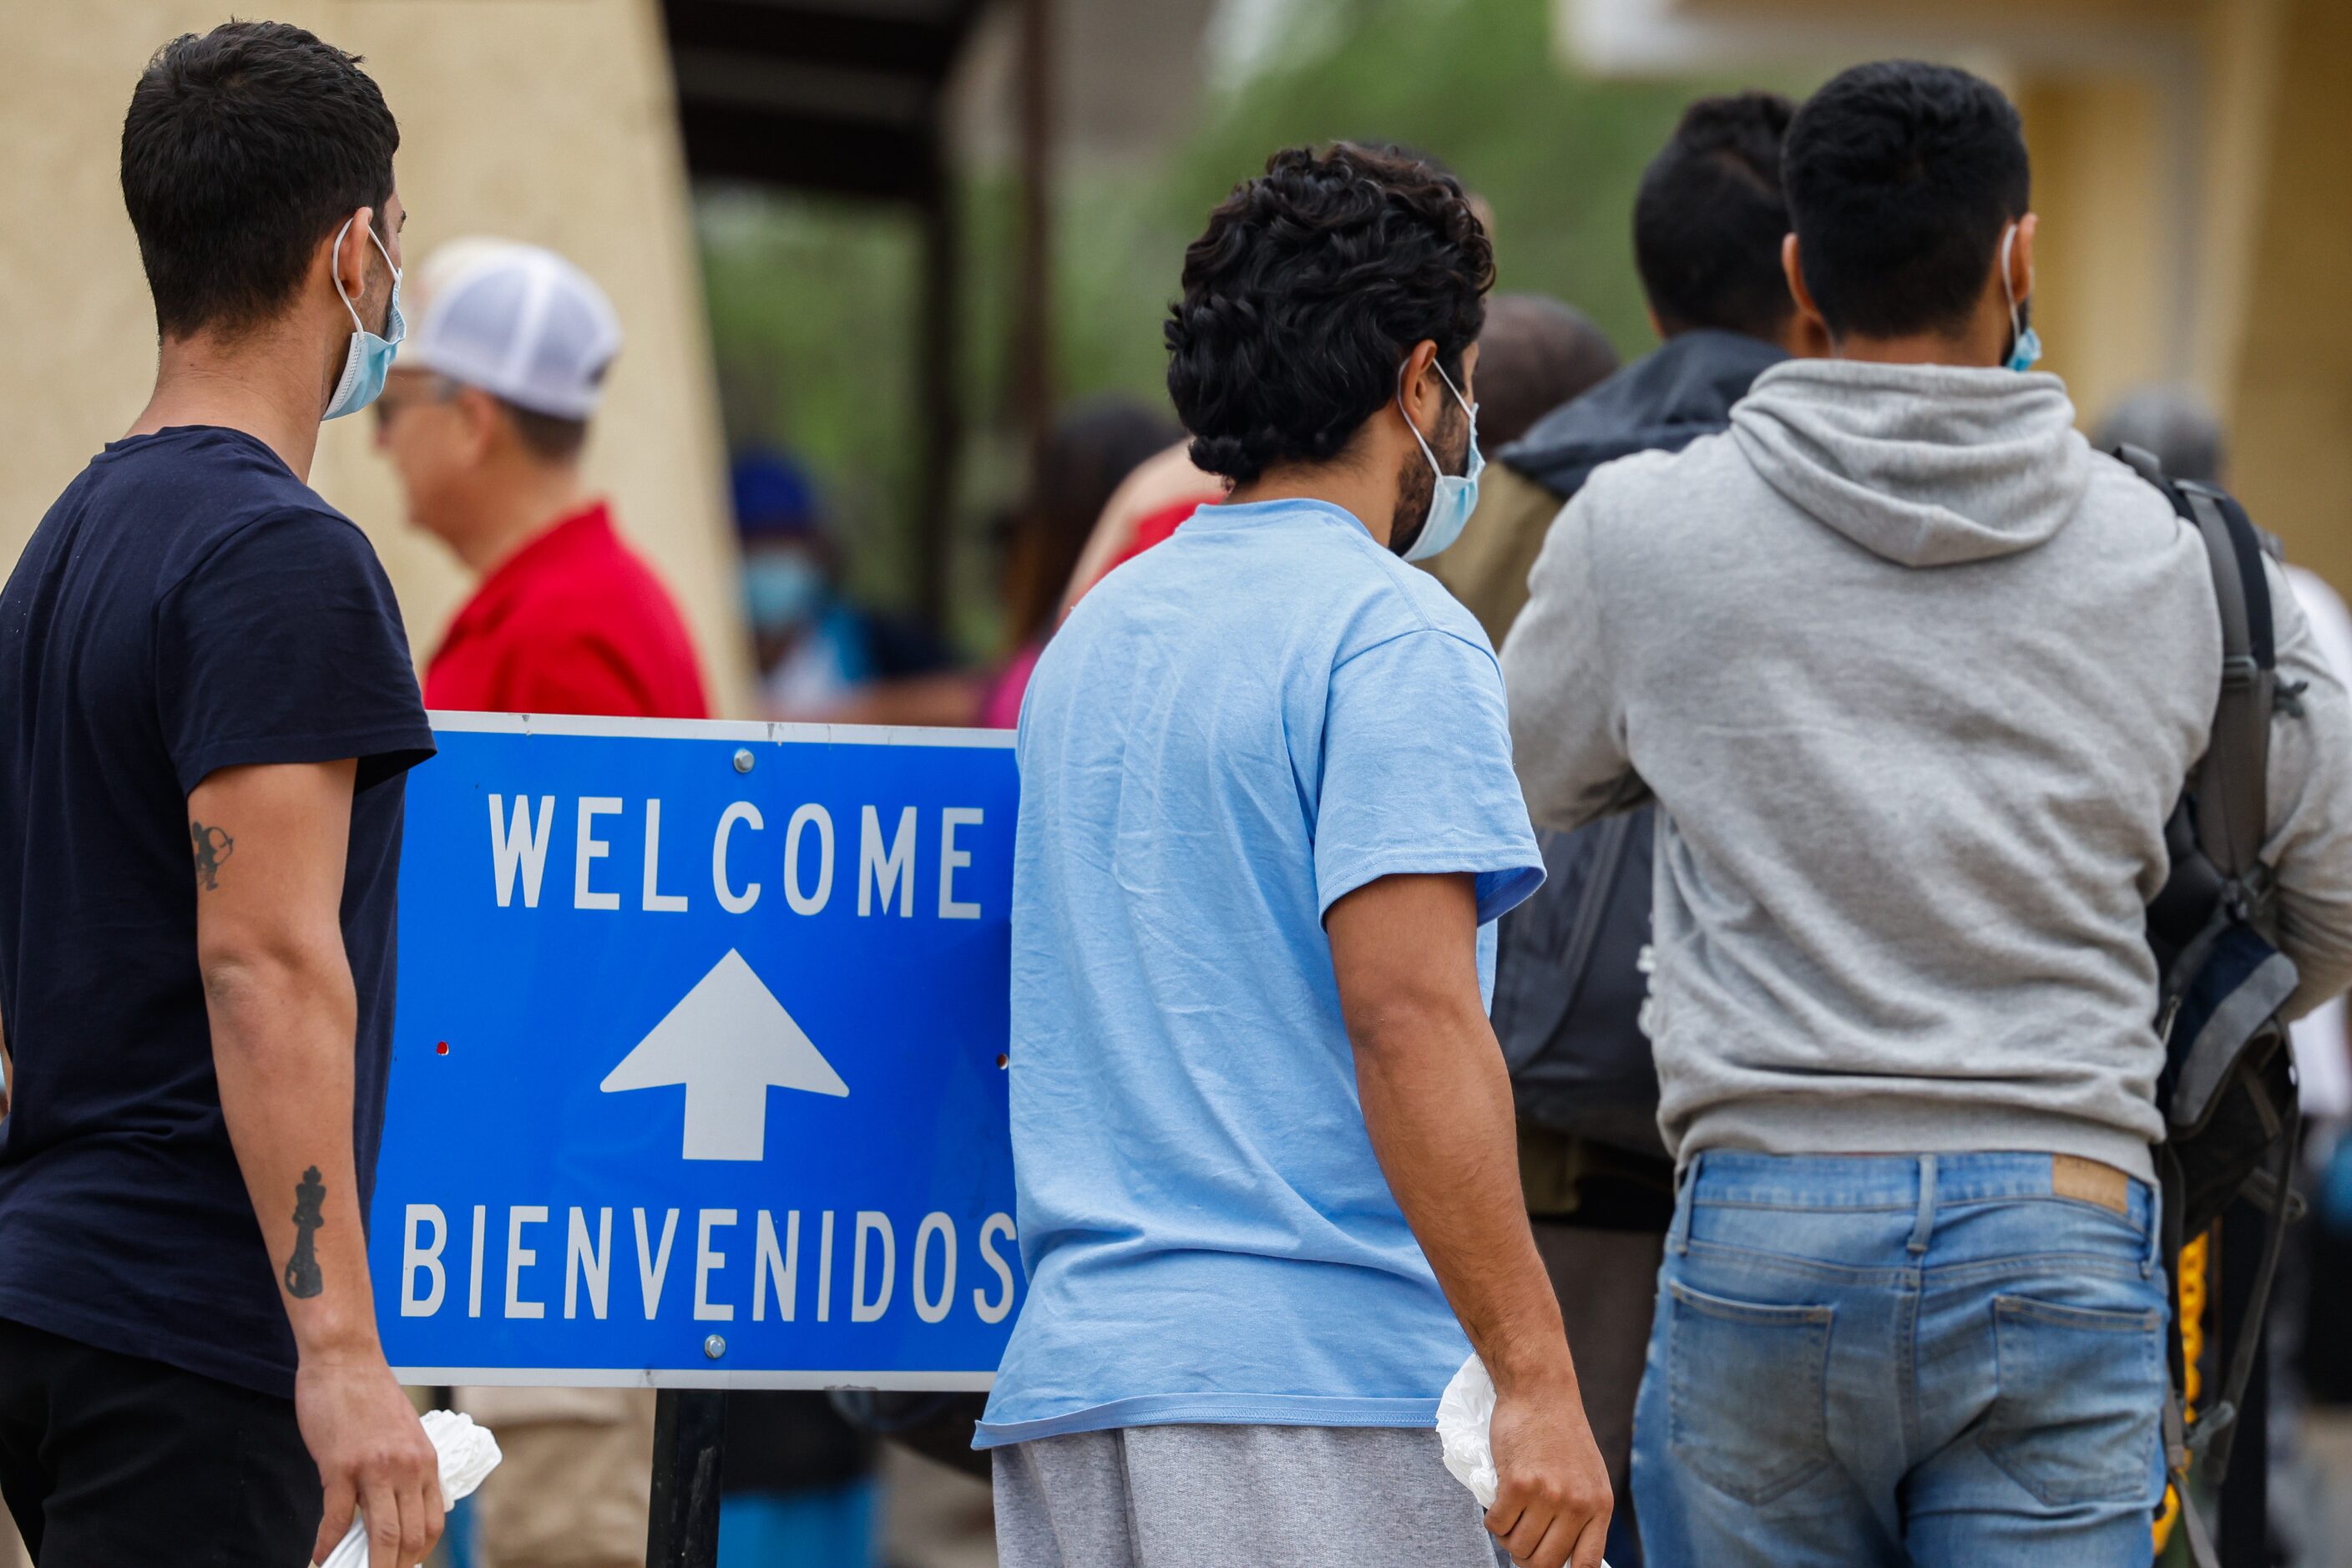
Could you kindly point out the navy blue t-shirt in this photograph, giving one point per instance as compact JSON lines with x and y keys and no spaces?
{"x":188,"y":605}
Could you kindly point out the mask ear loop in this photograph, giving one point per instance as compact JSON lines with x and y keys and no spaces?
{"x":2009,"y":289}
{"x":335,"y":266}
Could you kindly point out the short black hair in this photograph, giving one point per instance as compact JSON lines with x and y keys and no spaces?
{"x":1902,"y":177}
{"x":1305,"y":292}
{"x":1710,"y":217}
{"x":243,"y":148}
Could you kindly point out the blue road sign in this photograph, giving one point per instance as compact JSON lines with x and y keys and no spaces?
{"x":699,"y":1076}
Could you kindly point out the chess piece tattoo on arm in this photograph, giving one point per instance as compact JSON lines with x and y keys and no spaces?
{"x":303,"y":1279}
{"x":212,"y":845}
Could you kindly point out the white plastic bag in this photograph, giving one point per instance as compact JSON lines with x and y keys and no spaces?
{"x":468,"y":1453}
{"x":1466,"y":1412}
{"x":1465,"y":1421}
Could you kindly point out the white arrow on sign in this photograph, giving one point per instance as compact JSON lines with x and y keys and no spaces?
{"x":726,"y":1040}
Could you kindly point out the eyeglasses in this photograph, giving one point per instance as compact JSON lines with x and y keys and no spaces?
{"x":436,"y":389}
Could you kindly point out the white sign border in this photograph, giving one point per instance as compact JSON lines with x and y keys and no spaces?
{"x":461,"y":722}
{"x":657,"y":1377}
{"x":775,"y":733}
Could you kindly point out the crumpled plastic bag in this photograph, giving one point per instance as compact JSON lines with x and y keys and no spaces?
{"x":1465,"y":1420}
{"x":468,"y":1454}
{"x":1466,"y":1412}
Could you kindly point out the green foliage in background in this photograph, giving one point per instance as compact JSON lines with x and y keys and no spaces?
{"x":812,"y":302}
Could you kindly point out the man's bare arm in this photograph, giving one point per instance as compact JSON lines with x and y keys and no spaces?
{"x":268,"y":845}
{"x":1437,"y":1103}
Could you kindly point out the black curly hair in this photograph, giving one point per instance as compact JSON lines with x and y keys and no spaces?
{"x":1307,"y":290}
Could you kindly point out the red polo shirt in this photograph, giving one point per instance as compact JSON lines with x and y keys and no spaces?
{"x":574,"y":622}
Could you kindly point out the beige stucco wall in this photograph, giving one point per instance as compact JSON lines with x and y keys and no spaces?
{"x":547,"y":120}
{"x":2101,"y":268}
{"x":2287,"y":380}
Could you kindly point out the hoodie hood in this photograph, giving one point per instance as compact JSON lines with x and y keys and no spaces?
{"x":1920,"y":464}
{"x":1660,"y":403}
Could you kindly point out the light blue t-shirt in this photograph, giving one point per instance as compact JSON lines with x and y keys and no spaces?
{"x":1231,"y":731}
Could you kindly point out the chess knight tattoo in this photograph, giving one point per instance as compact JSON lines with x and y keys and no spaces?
{"x":303,"y":1279}
{"x":212,"y":845}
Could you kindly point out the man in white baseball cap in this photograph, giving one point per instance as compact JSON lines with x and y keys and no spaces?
{"x":485,"y":419}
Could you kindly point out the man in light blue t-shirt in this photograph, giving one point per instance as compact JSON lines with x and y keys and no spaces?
{"x":1268,"y":1193}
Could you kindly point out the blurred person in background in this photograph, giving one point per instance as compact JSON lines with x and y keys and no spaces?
{"x":1535,"y":355}
{"x":484,"y":421}
{"x":1149,"y":504}
{"x":210,"y":714}
{"x":1092,"y":446}
{"x":1707,"y":223}
{"x":1267,"y":814}
{"x":799,"y":1485}
{"x":1569,"y":987}
{"x":1091,"y":449}
{"x":815,"y":650}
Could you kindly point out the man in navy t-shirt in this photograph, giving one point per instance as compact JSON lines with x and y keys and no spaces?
{"x":209,"y":707}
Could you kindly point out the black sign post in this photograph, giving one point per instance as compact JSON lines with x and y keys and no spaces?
{"x":690,"y":1450}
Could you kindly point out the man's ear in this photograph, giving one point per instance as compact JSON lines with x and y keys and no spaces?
{"x":1421,"y":392}
{"x":348,"y":250}
{"x":484,"y":422}
{"x":1808,"y":314}
{"x":2021,"y":258}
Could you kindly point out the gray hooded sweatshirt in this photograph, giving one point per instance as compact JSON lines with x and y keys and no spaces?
{"x":1918,"y":677}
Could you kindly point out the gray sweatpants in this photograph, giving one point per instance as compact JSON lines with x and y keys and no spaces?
{"x":1223,"y":1497}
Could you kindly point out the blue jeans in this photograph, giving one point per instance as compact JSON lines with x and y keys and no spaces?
{"x":1919,"y":1360}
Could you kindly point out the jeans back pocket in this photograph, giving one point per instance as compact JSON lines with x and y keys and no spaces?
{"x":1746,"y":1387}
{"x":2081,"y":1393}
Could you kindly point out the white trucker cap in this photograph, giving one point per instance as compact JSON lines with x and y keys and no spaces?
{"x":517,"y":320}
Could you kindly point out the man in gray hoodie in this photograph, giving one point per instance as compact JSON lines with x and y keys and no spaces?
{"x":1916,"y":677}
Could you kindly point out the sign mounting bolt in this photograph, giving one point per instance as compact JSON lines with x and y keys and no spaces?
{"x":714,"y":1347}
{"x":742,"y":765}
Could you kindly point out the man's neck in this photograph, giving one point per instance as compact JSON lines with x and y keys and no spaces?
{"x":1983,"y":345}
{"x":1346,"y":485}
{"x":263,"y":383}
{"x":520,"y":508}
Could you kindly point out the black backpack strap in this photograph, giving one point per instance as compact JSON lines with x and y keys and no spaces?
{"x":2231,"y":782}
{"x":2233,"y":795}
{"x":2210,"y":1444}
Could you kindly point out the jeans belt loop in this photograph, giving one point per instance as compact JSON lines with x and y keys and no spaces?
{"x":1927,"y":1221}
{"x":1678,"y":1234}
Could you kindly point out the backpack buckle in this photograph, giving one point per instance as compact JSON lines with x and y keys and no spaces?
{"x":2240,"y":671}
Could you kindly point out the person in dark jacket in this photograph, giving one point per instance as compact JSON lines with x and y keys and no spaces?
{"x":1707,"y":226}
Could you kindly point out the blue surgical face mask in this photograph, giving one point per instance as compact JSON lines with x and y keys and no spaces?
{"x":2025,"y":343}
{"x":782,"y":591}
{"x":1455,"y":496}
{"x":370,"y":357}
